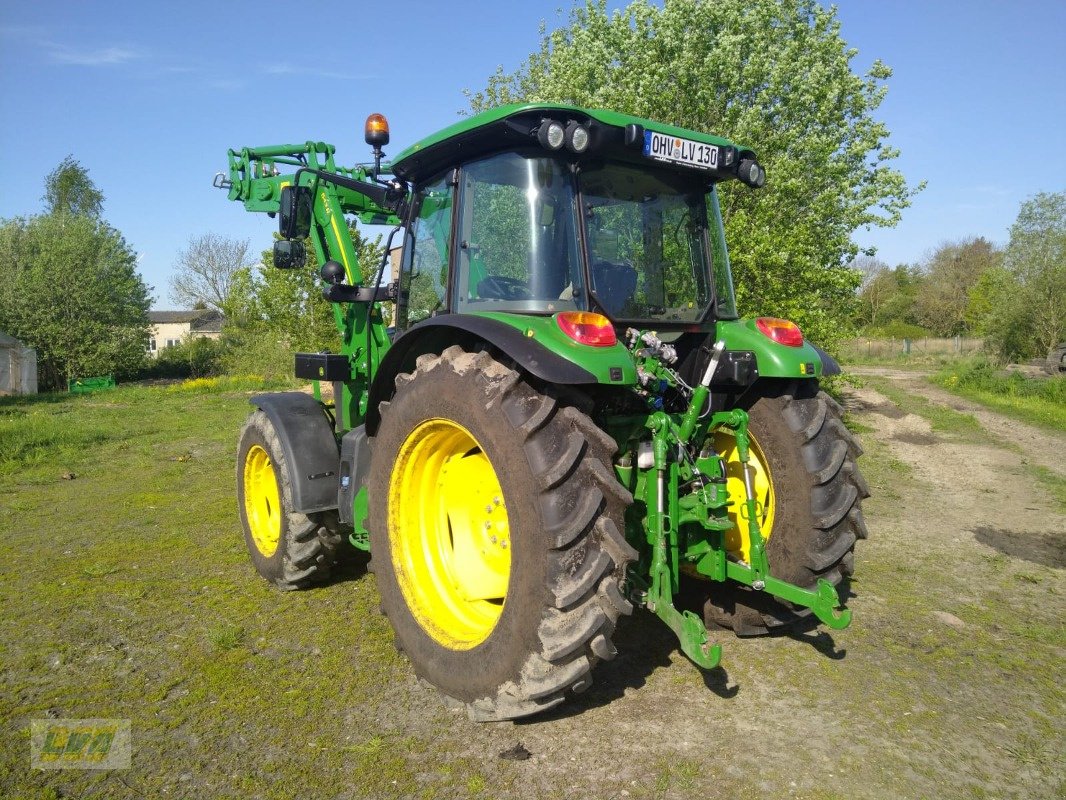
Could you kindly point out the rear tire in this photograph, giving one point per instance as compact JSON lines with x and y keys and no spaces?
{"x":289,"y":549}
{"x":817,"y":497}
{"x":559,"y":587}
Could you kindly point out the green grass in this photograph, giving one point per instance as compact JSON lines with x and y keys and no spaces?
{"x":1052,"y":481}
{"x":1038,"y":401}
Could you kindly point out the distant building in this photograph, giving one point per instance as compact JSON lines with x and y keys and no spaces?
{"x":173,"y":327}
{"x":18,"y":367}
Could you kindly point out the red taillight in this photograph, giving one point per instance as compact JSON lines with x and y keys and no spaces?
{"x":587,"y":327}
{"x":781,"y":331}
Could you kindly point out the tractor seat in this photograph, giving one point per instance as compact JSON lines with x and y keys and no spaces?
{"x":614,"y":284}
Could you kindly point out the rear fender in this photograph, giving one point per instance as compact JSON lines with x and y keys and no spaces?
{"x":436,"y":334}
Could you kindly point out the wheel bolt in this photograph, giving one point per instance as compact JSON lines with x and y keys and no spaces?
{"x":496,"y":500}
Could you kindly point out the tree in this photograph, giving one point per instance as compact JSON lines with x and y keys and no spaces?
{"x":68,"y":189}
{"x":1021,"y":304}
{"x":952,"y":274}
{"x":888,"y":297}
{"x":205,"y":270}
{"x":273,"y":312}
{"x":774,"y":74}
{"x":69,"y":285}
{"x":69,"y":288}
{"x":1036,"y":258}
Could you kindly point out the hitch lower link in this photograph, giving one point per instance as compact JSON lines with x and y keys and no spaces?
{"x":664,"y":514}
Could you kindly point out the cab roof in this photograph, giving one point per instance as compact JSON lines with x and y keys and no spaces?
{"x":513,"y":126}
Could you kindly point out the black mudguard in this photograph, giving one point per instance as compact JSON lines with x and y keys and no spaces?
{"x":829,"y":364}
{"x":310,"y":448}
{"x":437,"y":333}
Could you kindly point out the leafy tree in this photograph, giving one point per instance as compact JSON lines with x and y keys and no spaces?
{"x":273,"y":312}
{"x":888,"y":298}
{"x":1020,"y":307}
{"x":952,"y":274}
{"x":1036,"y":258}
{"x":69,"y":287}
{"x":774,"y":74}
{"x":205,"y":270}
{"x":68,"y":189}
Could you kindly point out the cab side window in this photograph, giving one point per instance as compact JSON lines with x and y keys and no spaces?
{"x":424,"y":271}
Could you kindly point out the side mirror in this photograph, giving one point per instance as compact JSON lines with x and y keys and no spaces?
{"x":289,"y":254}
{"x":294,"y":215}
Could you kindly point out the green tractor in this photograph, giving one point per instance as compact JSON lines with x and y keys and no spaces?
{"x":563,"y":417}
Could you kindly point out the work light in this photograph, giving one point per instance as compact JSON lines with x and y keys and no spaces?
{"x":577,"y":137}
{"x":551,"y":134}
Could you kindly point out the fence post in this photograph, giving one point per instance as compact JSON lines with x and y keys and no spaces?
{"x":907,"y":347}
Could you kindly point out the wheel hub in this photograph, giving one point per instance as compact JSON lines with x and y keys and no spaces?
{"x":449,"y":534}
{"x":262,"y":500}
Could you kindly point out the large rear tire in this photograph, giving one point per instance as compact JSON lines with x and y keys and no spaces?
{"x":810,"y":493}
{"x":289,"y":549}
{"x":496,"y":535}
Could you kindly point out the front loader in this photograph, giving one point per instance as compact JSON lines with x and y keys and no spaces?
{"x":563,"y":416}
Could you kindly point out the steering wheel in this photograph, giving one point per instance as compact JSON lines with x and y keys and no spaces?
{"x":500,"y":287}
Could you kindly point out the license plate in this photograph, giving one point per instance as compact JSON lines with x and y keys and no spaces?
{"x":680,"y":151}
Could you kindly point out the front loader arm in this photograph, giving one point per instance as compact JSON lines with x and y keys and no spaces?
{"x":256,"y":177}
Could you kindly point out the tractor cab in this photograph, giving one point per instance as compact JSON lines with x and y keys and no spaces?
{"x":536,"y":210}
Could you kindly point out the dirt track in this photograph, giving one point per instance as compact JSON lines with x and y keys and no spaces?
{"x":1041,"y":447}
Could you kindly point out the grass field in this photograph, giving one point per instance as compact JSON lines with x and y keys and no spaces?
{"x":126,"y":592}
{"x":1040,"y":401}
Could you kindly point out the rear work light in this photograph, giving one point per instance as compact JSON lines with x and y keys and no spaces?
{"x":587,"y":327}
{"x":781,"y":331}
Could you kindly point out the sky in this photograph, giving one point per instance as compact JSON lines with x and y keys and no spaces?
{"x":149,"y":96}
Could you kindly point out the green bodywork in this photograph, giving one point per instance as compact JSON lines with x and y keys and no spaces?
{"x":612,"y":118}
{"x":774,"y":360}
{"x":679,"y":518}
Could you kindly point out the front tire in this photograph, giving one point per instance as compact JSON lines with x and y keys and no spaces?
{"x":810,"y":491}
{"x":289,"y":549}
{"x":469,"y":456}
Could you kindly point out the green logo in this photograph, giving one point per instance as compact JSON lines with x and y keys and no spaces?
{"x":80,"y":744}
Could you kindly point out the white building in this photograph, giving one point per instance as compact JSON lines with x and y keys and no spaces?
{"x":173,"y":327}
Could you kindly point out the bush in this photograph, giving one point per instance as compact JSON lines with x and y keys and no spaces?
{"x":197,"y":357}
{"x":258,"y":351}
{"x":897,"y":330}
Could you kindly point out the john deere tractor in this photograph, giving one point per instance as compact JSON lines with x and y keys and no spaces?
{"x":551,"y":413}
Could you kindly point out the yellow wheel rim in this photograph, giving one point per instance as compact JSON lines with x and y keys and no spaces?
{"x":449,"y":535}
{"x":262,"y":500}
{"x":737,"y":540}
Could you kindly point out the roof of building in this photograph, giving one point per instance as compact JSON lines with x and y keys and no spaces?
{"x":179,"y":316}
{"x":201,"y":320}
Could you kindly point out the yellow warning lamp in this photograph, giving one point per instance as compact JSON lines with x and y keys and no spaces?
{"x":376,"y":134}
{"x":377,"y":131}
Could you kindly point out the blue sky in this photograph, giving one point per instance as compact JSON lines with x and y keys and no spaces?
{"x":150,"y":95}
